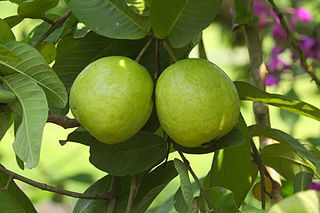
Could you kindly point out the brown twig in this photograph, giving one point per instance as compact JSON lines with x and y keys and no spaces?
{"x":202,"y":50}
{"x":49,"y":21}
{"x":55,"y":25}
{"x":258,"y":73}
{"x":169,"y":50}
{"x":114,"y":188}
{"x":144,"y":49}
{"x":157,"y":55}
{"x":133,"y":190}
{"x":63,"y":121}
{"x":46,"y":187}
{"x":303,"y":60}
{"x":6,"y":187}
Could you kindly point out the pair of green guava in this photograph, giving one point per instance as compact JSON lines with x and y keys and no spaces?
{"x":196,"y":101}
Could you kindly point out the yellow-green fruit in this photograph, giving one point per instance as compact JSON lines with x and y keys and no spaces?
{"x":196,"y":102}
{"x":111,"y":98}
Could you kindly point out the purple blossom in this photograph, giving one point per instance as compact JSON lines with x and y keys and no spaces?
{"x":261,"y":10}
{"x":301,"y":14}
{"x":276,"y":63}
{"x":308,"y":44}
{"x":317,"y":55}
{"x":315,"y":186}
{"x":279,"y":33}
{"x":271,"y":80}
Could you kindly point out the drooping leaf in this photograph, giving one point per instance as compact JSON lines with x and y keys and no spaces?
{"x":232,"y":139}
{"x":35,"y":112}
{"x":13,"y":20}
{"x":284,"y":160}
{"x":302,"y":181}
{"x":110,"y":18}
{"x":4,"y":123}
{"x":240,"y":12}
{"x":179,"y":202}
{"x":221,"y":200}
{"x":13,"y":199}
{"x":185,"y":184}
{"x":34,"y":67}
{"x":183,"y":20}
{"x":282,"y":137}
{"x":251,"y":93}
{"x":305,"y":201}
{"x":5,"y":32}
{"x":35,"y":8}
{"x":8,"y":55}
{"x":256,"y":189}
{"x":233,"y":168}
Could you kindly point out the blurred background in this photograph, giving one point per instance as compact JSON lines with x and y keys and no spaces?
{"x":68,"y":166}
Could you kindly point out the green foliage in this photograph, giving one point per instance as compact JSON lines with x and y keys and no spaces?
{"x":302,"y":181}
{"x":4,"y":123}
{"x":8,"y":55}
{"x":13,"y":199}
{"x":34,"y":108}
{"x":36,"y":70}
{"x":5,"y":33}
{"x":227,"y":170}
{"x":251,"y":93}
{"x":220,"y":200}
{"x":110,"y":18}
{"x":35,"y":8}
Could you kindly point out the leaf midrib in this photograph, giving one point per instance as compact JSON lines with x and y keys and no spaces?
{"x":286,"y":158}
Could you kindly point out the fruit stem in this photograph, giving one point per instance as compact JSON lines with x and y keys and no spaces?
{"x":157,"y":55}
{"x":169,"y":50}
{"x":114,"y":191}
{"x":144,"y":49}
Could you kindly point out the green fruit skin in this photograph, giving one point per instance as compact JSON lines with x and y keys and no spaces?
{"x":196,"y":102}
{"x":111,"y":98}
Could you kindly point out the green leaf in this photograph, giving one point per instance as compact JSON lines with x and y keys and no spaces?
{"x":289,"y":117}
{"x":221,"y":200}
{"x":282,"y":137}
{"x":73,"y":55}
{"x":182,"y":21}
{"x":35,"y":112}
{"x":165,"y":14}
{"x":185,"y":184}
{"x":233,"y":168}
{"x":5,"y":32}
{"x":152,"y":184}
{"x":305,"y":201}
{"x":13,"y":200}
{"x":6,"y":96}
{"x":48,"y":51}
{"x":195,"y":16}
{"x":179,"y":202}
{"x":302,"y":181}
{"x":140,"y":7}
{"x":36,"y":8}
{"x":232,"y":139}
{"x":251,"y":93}
{"x":8,"y":55}
{"x":34,"y":67}
{"x":4,"y":123}
{"x":110,"y":18}
{"x":284,"y":160}
{"x":240,"y":12}
{"x":13,"y":20}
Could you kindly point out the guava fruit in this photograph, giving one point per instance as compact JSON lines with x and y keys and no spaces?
{"x":111,"y":98}
{"x":196,"y":102}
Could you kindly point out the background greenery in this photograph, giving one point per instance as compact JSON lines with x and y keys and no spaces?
{"x":68,"y":165}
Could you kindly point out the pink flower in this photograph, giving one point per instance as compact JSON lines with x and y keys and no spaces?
{"x":308,"y":44}
{"x":271,"y":80}
{"x":315,"y":186}
{"x":301,"y":14}
{"x":261,"y":10}
{"x":279,"y":33}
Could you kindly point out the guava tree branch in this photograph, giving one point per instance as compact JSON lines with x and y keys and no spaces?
{"x":144,"y":49}
{"x":46,"y":187}
{"x":62,"y":121}
{"x":114,"y":188}
{"x":303,"y":60}
{"x":169,"y":50}
{"x":133,"y":190}
{"x":258,"y":73}
{"x":56,"y":24}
